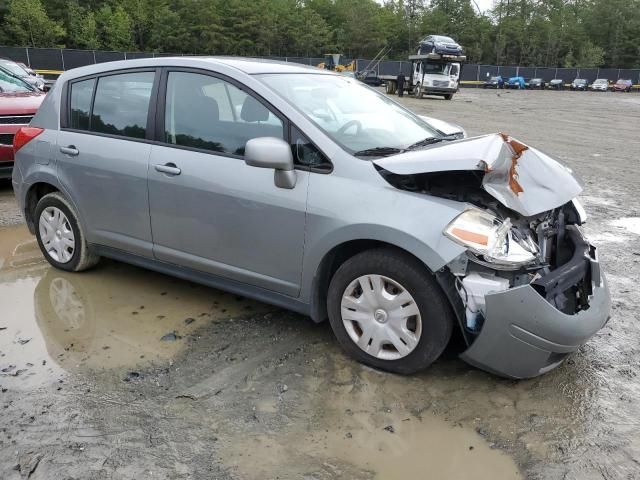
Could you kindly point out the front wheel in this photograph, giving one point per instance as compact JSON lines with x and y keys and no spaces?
{"x":60,"y":236}
{"x":387,"y":311}
{"x":417,"y":91}
{"x":448,"y":96}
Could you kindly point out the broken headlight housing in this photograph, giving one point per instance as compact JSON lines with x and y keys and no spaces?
{"x":495,"y":239}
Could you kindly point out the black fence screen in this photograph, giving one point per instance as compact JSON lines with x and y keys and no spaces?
{"x":64,"y":59}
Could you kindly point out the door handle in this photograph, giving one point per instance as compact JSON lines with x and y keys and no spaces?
{"x":70,"y":150}
{"x":168,"y":168}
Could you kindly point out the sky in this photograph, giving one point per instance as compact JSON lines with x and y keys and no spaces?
{"x":484,"y":5}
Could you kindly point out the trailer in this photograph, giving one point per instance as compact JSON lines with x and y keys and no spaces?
{"x":431,"y":74}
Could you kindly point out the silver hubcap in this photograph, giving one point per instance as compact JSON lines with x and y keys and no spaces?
{"x":381,"y":317}
{"x":56,"y":235}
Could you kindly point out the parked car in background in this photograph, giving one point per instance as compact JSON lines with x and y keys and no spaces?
{"x":537,"y":84}
{"x":579,"y":84}
{"x":516,"y":82}
{"x":494,"y":82}
{"x":600,"y":85}
{"x":622,"y":85}
{"x":19,"y":101}
{"x":556,"y":84}
{"x":439,"y":44}
{"x":337,"y":203}
{"x":14,"y":68}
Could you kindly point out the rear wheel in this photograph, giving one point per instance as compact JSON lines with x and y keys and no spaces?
{"x":387,"y":311}
{"x":60,"y":236}
{"x":391,"y":87}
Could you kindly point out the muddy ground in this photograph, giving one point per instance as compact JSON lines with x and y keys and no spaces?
{"x":120,"y":373}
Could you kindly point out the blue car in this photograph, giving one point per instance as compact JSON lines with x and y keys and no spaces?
{"x":439,"y":44}
{"x":494,"y":82}
{"x":516,"y":82}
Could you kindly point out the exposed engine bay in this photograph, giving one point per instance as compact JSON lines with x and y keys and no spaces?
{"x":554,"y":259}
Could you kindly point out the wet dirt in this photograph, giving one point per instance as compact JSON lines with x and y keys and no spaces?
{"x":247,"y":391}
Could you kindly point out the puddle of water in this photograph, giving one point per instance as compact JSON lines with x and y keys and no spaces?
{"x":338,"y":427}
{"x":112,"y":316}
{"x":631,"y":224}
{"x":415,"y":449}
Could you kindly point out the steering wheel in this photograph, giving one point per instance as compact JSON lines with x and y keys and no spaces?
{"x":351,"y":123}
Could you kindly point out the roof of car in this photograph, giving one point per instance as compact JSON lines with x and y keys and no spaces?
{"x":247,"y":65}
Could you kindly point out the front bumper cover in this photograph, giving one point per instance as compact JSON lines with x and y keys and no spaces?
{"x":524,"y":335}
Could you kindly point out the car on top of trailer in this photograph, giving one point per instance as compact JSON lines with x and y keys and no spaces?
{"x":439,"y":44}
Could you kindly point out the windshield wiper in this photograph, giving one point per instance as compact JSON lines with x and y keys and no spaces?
{"x":378,"y":152}
{"x":430,"y":141}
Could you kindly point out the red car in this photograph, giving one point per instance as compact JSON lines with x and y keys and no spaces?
{"x":622,"y":85}
{"x":19,"y":102}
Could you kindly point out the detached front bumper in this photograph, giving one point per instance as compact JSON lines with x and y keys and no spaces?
{"x":524,"y":335}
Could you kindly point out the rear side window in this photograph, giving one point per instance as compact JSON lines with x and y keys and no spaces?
{"x":209,"y":113}
{"x":121,"y":104}
{"x":81,"y":94}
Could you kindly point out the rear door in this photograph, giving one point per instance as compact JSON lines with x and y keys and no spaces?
{"x":210,"y":211}
{"x":103,"y":154}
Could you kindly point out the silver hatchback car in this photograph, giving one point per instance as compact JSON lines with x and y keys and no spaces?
{"x":311,"y":191}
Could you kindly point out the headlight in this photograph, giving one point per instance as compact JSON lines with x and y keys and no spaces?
{"x":485,"y":234}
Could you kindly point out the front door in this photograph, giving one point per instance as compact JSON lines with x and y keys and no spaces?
{"x":210,"y":211}
{"x":102,"y":158}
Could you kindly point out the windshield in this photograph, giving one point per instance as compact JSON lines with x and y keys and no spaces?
{"x":12,"y":67}
{"x":600,"y":80}
{"x":439,"y":38}
{"x":623,"y":82}
{"x":436,"y":68}
{"x":10,"y":83}
{"x":355,"y":116}
{"x":495,"y":79}
{"x":579,"y":80}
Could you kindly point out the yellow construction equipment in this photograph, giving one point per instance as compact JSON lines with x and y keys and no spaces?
{"x":332,"y":62}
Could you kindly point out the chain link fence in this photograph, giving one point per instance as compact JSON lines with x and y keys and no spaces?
{"x":53,"y":61}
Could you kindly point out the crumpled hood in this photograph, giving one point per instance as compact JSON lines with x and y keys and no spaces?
{"x":518,"y":176}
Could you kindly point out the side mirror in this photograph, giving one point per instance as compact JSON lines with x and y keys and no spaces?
{"x":271,"y":152}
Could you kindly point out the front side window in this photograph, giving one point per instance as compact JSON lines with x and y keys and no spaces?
{"x":81,"y":94}
{"x":209,"y":113}
{"x":121,"y":104}
{"x":353,"y":115}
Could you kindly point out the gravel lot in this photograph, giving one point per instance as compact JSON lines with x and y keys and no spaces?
{"x":122,"y":373}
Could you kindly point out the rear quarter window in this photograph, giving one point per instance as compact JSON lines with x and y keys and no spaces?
{"x":81,"y":95}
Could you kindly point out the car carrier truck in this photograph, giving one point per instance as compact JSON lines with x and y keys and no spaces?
{"x":431,"y":74}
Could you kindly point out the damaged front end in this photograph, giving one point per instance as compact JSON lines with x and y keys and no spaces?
{"x":528,"y":290}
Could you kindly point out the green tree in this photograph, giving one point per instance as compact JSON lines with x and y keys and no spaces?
{"x":114,"y":28}
{"x":27,"y":23}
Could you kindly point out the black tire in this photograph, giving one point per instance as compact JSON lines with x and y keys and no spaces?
{"x":435,"y":310}
{"x":448,"y":96}
{"x":83,"y":258}
{"x":417,"y":91}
